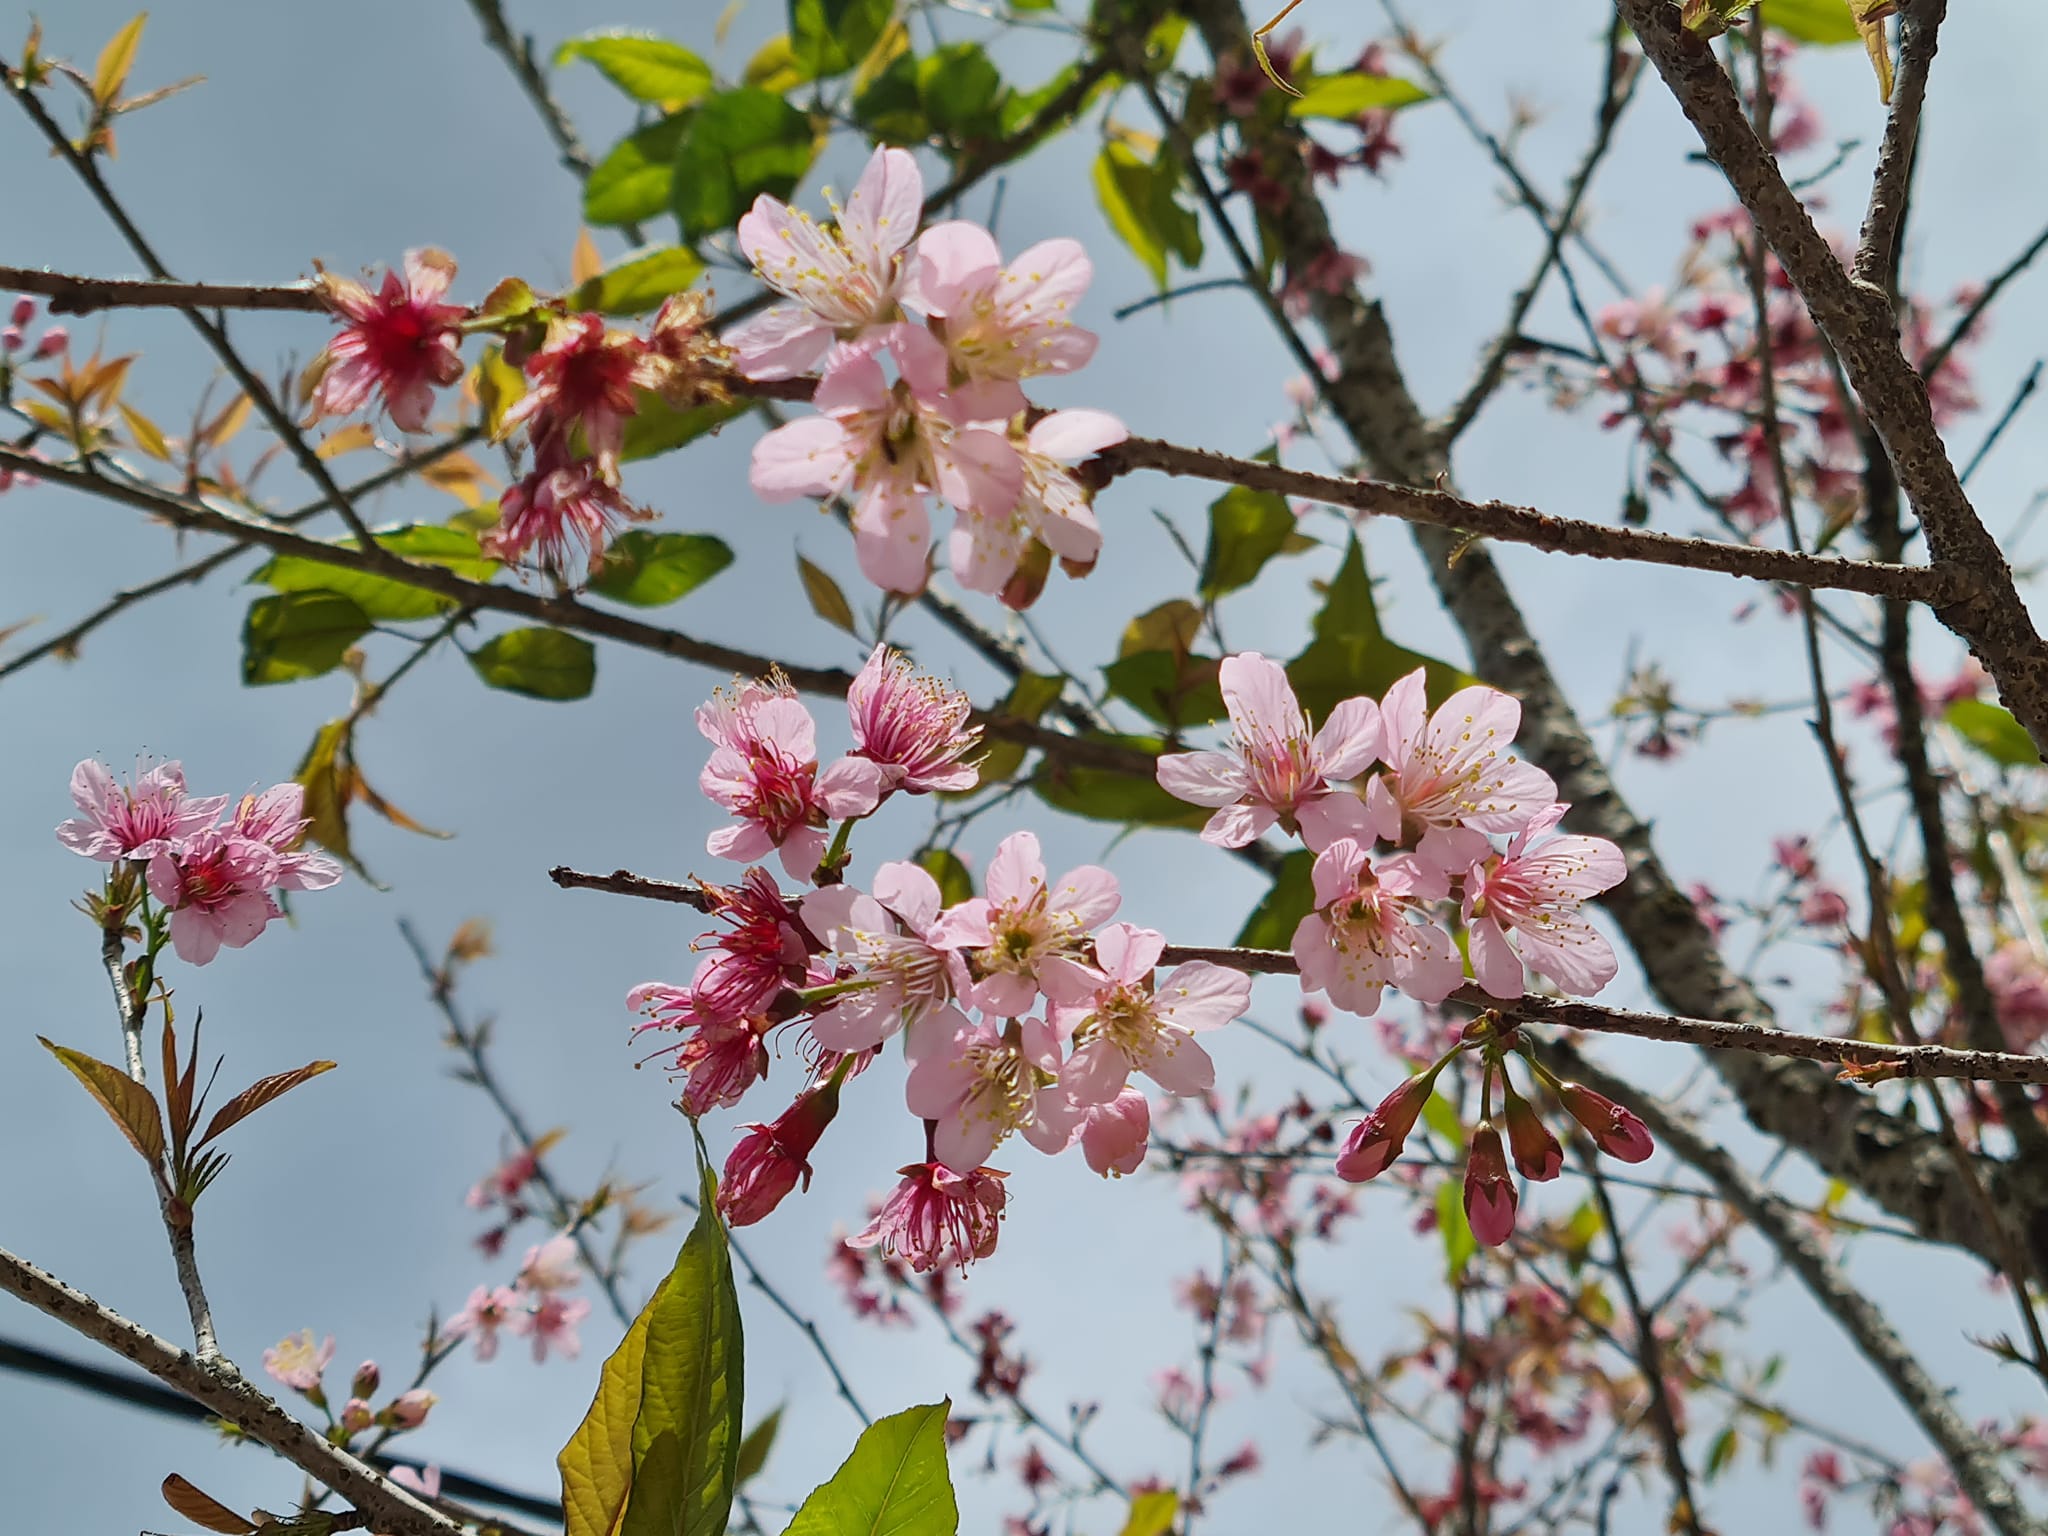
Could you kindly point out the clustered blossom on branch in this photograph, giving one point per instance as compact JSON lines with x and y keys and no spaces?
{"x":297,"y":1362}
{"x":925,"y":342}
{"x":214,"y":880}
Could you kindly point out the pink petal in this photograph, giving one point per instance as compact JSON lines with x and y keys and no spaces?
{"x":811,"y":456}
{"x":1260,"y":699}
{"x":1404,"y":713}
{"x":910,"y":892}
{"x":956,"y":261}
{"x":781,"y":343}
{"x":1203,"y":778}
{"x":1495,"y":965}
{"x":851,"y":787}
{"x":1199,"y":996}
{"x":881,"y":216}
{"x":1076,"y":435}
{"x":1177,"y":1064}
{"x":1088,"y":894}
{"x":1128,"y":952}
{"x":1017,"y":871}
{"x":980,"y":472}
{"x":1349,"y":742}
{"x":1236,"y":825}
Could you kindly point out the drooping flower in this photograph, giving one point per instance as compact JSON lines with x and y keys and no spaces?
{"x":1371,"y":1146}
{"x":898,"y":977}
{"x":1523,"y":907}
{"x":937,"y":1218}
{"x":1489,"y":1188}
{"x":721,"y":1055}
{"x":893,"y":446}
{"x":217,"y":887}
{"x":1449,"y":778}
{"x":276,"y":818}
{"x":762,"y":952}
{"x":1537,"y":1153}
{"x":980,"y":1084}
{"x":844,"y":280}
{"x":1276,"y":772}
{"x":133,"y":822}
{"x":488,"y":1309}
{"x":583,"y":375}
{"x":911,"y":724}
{"x":988,"y":545}
{"x":764,"y":769}
{"x":770,"y":1160}
{"x":1127,"y":1026}
{"x":563,"y":512}
{"x":297,"y":1362}
{"x":402,"y":341}
{"x":1371,"y":929}
{"x":1001,"y":324}
{"x":1114,"y":1135}
{"x":1616,"y":1131}
{"x":1026,"y":936}
{"x":550,"y":1320}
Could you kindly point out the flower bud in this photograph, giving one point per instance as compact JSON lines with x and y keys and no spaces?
{"x":1114,"y":1137}
{"x":1615,"y":1131}
{"x":10,"y":339}
{"x":24,"y":311}
{"x":1489,"y":1188}
{"x":364,"y":1382}
{"x":356,"y":1416}
{"x":1376,"y":1140}
{"x":1537,"y":1153}
{"x":409,"y":1409}
{"x":53,"y":341}
{"x":766,"y":1164}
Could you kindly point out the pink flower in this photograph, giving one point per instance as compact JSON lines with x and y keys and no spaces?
{"x":1524,"y":907}
{"x":427,"y":1483}
{"x":1053,"y":507}
{"x":1448,"y":780}
{"x":52,"y":341}
{"x":277,"y":819}
{"x":980,"y":1084}
{"x":1537,"y":1153}
{"x":217,"y":886}
{"x":764,"y":769}
{"x":1370,"y":930}
{"x":768,"y":1163}
{"x":584,"y":375}
{"x":551,"y":1319}
{"x":720,"y":1061}
{"x":1616,"y":1131}
{"x":1824,"y":907}
{"x":764,"y":951}
{"x":843,"y":280}
{"x":1026,"y":937}
{"x":403,"y":341}
{"x":893,"y":446}
{"x":137,"y":822}
{"x":564,"y":512}
{"x":1489,"y":1188}
{"x":1113,"y":1135}
{"x":1276,"y":772}
{"x":937,"y":1218}
{"x":489,"y":1308}
{"x":297,"y":1362}
{"x":2019,"y":993}
{"x":553,"y":1265}
{"x":1001,"y":324}
{"x":913,"y":725}
{"x":1371,"y":1146}
{"x":1127,"y":1027}
{"x":898,"y":977}
{"x":356,"y":1415}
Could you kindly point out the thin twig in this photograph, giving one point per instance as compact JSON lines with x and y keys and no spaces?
{"x":70,"y":294}
{"x":1877,"y":250}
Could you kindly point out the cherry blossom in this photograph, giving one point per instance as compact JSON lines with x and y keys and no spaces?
{"x":1001,"y":324}
{"x":1114,"y":1135}
{"x":1523,"y":906}
{"x":897,"y":978}
{"x":843,"y":280}
{"x":553,"y":1265}
{"x":217,"y":887}
{"x":276,"y":818}
{"x":1616,"y":1131}
{"x":297,"y":1362}
{"x":937,"y":1218}
{"x":1276,"y":772}
{"x":402,"y":341}
{"x":1370,"y":929}
{"x":488,"y":1309}
{"x":1129,"y":1027}
{"x":763,"y":951}
{"x":1537,"y":1153}
{"x":1053,"y":507}
{"x":770,"y":1160}
{"x":550,"y":1320}
{"x":134,"y":822}
{"x":1025,"y":936}
{"x":914,"y":726}
{"x":980,"y":1084}
{"x":563,"y":512}
{"x":584,"y":375}
{"x":764,"y":769}
{"x":1489,"y":1188}
{"x":1371,"y":1146}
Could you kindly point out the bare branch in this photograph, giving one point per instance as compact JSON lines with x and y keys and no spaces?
{"x":1877,"y":252}
{"x":70,"y":294}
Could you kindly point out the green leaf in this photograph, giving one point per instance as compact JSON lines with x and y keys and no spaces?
{"x":829,"y":37}
{"x":1812,"y":21}
{"x":1029,"y":698}
{"x":1350,"y":655}
{"x":1104,"y":794}
{"x":1721,"y":1454}
{"x":299,"y":634}
{"x":943,"y":865}
{"x":890,"y":107}
{"x":894,"y":1484}
{"x":1459,"y":1243}
{"x":1345,"y":96}
{"x":1441,"y":1117}
{"x":755,"y":1448}
{"x":1170,"y":688}
{"x":1139,"y":198}
{"x":1246,"y":529}
{"x":739,"y":144}
{"x":658,"y":427}
{"x":637,"y":285}
{"x":1992,"y":730}
{"x":540,"y":663}
{"x":650,"y":569}
{"x":775,"y":66}
{"x":635,"y":180}
{"x":382,"y":599}
{"x":645,"y":67}
{"x":687,"y":1433}
{"x":827,"y":599}
{"x":960,"y":89}
{"x":1285,"y":904}
{"x":1152,"y":1513}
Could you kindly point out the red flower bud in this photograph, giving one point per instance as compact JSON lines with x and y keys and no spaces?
{"x":768,"y":1163}
{"x":1537,"y":1153}
{"x":1489,"y":1188}
{"x":1375,"y":1141}
{"x":1615,"y":1131}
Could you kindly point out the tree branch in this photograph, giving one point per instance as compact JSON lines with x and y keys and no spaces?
{"x":1884,"y":221}
{"x":70,"y":294}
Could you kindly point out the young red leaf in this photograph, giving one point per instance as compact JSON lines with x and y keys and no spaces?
{"x":258,"y":1094}
{"x":203,"y":1509}
{"x":128,"y":1103}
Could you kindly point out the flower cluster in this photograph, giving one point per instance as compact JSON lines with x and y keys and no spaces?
{"x":215,"y":879}
{"x":1445,"y":788}
{"x":300,"y":1364}
{"x":536,"y":1305}
{"x":565,"y":377}
{"x":16,"y":349}
{"x":924,"y":343}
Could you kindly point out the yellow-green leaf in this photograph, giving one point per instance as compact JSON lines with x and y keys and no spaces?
{"x":645,"y":67}
{"x":1345,"y":96}
{"x":894,"y":1484}
{"x":597,"y":1463}
{"x":641,"y":282}
{"x":116,"y":59}
{"x":826,"y":598}
{"x":1152,"y":1513}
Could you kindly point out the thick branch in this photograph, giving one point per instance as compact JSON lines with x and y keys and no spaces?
{"x":70,"y":294}
{"x":1877,"y":252}
{"x":227,"y":1394}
